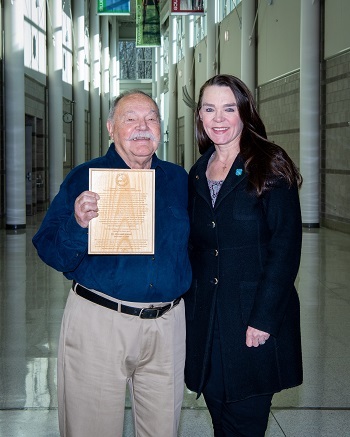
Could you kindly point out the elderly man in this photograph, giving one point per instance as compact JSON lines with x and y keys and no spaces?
{"x":124,"y":317}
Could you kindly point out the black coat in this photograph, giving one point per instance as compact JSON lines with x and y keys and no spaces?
{"x":245,"y":255}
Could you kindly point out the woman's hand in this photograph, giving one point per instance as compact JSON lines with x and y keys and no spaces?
{"x":255,"y":338}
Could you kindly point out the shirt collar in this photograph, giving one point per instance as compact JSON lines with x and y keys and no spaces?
{"x":120,"y":163}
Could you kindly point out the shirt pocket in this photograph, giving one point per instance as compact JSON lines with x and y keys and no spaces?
{"x":179,"y":225}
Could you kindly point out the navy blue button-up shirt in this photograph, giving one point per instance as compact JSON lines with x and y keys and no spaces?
{"x":162,"y":277}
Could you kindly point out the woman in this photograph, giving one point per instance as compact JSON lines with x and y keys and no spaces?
{"x":242,"y":310}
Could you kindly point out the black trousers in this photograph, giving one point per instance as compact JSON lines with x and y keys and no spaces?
{"x":248,"y":417}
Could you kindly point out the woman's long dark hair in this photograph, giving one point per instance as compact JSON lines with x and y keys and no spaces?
{"x":265,"y":162}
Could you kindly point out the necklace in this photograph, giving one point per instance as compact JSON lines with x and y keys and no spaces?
{"x":225,"y":164}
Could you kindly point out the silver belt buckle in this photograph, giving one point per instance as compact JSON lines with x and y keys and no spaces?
{"x":149,"y":309}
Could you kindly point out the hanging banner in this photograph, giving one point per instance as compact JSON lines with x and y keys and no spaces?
{"x":147,"y":23}
{"x":187,"y":7}
{"x":113,"y":7}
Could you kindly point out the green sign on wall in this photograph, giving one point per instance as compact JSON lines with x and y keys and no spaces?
{"x":113,"y":7}
{"x":147,"y":23}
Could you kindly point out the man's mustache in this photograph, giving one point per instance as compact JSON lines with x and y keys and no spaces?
{"x":142,"y":136}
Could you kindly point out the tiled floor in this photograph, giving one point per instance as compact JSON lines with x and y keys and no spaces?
{"x":32,"y":299}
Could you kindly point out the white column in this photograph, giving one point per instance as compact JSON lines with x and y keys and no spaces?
{"x":95,"y":84}
{"x":310,"y":112}
{"x":211,"y":40}
{"x":157,"y":57}
{"x":114,"y":45}
{"x":156,"y":92}
{"x":14,"y":115}
{"x":159,"y":94}
{"x":172,"y":125}
{"x":78,"y":83}
{"x":117,"y":86}
{"x":248,"y":44}
{"x":189,"y":112}
{"x":105,"y":83}
{"x":55,"y":91}
{"x":154,"y":73}
{"x":14,"y":316}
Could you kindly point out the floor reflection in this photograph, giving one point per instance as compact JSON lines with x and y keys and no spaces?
{"x":32,"y":300}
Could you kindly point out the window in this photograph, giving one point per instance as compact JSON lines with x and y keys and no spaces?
{"x":225,"y":7}
{"x":200,"y":28}
{"x":135,"y":62}
{"x":180,"y":37}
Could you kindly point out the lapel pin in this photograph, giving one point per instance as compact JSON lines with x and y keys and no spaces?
{"x":239,"y":171}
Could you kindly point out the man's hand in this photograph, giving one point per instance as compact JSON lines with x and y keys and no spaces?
{"x":85,"y":208}
{"x":255,"y":338}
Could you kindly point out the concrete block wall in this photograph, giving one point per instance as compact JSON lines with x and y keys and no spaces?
{"x":278,"y":104}
{"x":335,"y":143}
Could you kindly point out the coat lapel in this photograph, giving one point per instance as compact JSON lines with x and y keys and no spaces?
{"x":234,"y":177}
{"x":201,"y":183}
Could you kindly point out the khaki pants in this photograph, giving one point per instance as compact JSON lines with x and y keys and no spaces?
{"x":100,"y":352}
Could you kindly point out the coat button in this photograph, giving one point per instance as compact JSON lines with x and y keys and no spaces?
{"x":216,"y":252}
{"x":213,"y":224}
{"x":215,"y":281}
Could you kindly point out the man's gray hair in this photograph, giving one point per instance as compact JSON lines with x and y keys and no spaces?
{"x":126,"y":94}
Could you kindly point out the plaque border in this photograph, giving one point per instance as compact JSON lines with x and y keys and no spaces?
{"x":91,"y":250}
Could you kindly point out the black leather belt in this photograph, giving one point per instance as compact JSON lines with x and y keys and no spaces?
{"x":143,"y":313}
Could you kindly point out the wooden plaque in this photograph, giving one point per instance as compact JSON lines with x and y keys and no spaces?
{"x":125,"y":224}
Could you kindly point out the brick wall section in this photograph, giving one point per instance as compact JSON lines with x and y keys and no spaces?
{"x":335,"y":143}
{"x":278,"y":104}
